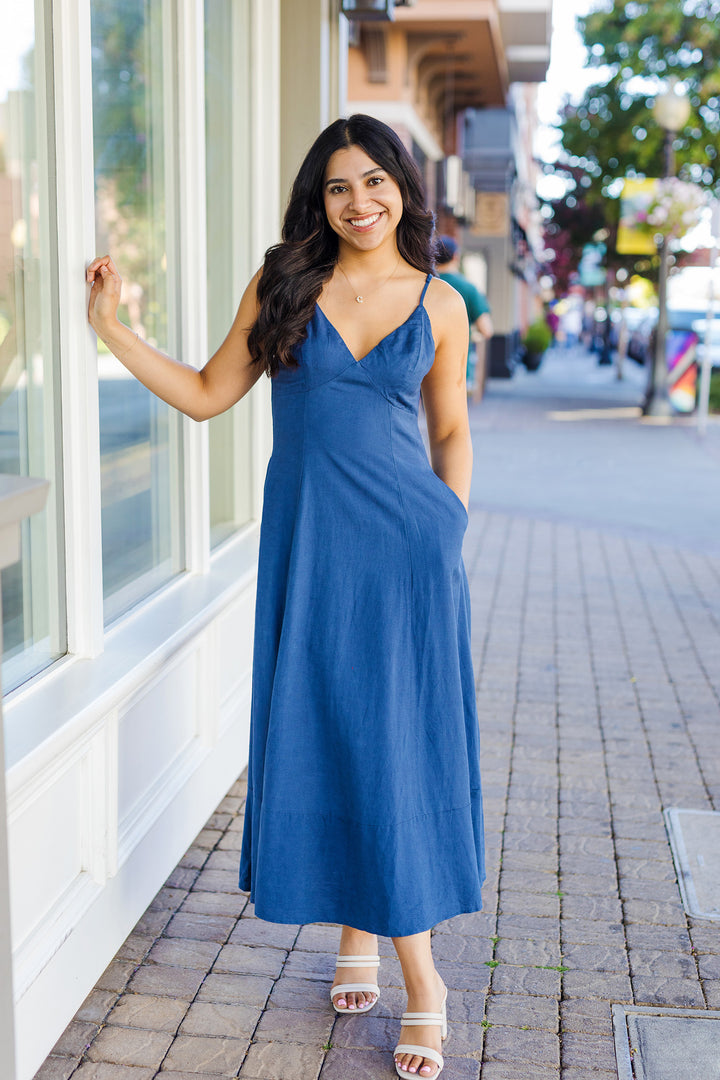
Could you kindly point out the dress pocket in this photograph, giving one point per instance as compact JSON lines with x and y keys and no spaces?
{"x":450,"y":496}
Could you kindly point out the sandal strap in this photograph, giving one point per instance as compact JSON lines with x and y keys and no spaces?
{"x":357,"y":961}
{"x":421,"y":1051}
{"x":410,"y":1019}
{"x":345,"y":988}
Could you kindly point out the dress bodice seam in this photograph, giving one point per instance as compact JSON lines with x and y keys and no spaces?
{"x":315,"y":386}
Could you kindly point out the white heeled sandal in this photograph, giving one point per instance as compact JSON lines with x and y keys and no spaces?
{"x":346,"y":988}
{"x":418,"y":1020}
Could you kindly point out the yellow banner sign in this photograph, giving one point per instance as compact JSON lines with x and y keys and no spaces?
{"x":633,"y":237}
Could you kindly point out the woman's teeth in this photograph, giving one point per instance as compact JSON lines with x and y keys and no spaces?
{"x":364,"y":222}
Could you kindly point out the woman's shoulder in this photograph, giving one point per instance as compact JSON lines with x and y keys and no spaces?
{"x":443,"y":302}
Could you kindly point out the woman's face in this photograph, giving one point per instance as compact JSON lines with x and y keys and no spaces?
{"x":362,"y":201}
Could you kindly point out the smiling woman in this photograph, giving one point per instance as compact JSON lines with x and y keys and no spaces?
{"x":362,"y":673}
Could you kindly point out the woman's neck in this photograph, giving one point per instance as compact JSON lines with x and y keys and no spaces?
{"x":373,"y":263}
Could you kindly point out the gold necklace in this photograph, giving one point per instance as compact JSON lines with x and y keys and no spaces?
{"x":361,"y":299}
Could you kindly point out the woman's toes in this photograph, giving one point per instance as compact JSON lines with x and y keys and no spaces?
{"x":415,"y":1065}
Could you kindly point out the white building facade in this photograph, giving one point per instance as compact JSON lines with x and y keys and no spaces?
{"x":165,"y":132}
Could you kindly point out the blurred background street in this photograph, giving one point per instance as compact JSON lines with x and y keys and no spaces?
{"x":569,"y":443}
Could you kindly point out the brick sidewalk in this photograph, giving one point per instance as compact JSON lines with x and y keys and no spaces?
{"x":598,"y":689}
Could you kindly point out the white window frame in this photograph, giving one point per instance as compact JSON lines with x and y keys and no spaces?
{"x":243,"y":264}
{"x":105,"y":662}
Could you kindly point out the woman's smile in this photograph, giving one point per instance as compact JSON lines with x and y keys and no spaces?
{"x":366,"y":222}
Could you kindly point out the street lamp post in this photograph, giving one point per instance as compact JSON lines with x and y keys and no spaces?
{"x":671,"y":111}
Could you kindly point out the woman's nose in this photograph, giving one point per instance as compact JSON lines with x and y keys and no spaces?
{"x":360,"y":199}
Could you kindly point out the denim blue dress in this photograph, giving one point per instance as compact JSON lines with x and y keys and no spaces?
{"x":364,"y":803}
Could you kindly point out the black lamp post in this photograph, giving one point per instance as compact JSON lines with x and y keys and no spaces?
{"x":672,"y":112}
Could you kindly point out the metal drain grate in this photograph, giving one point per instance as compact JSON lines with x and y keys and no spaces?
{"x":695,"y":842}
{"x":666,"y":1044}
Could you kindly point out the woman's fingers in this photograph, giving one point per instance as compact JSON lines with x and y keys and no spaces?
{"x":100,"y":260}
{"x":106,"y":285}
{"x":102,"y":266}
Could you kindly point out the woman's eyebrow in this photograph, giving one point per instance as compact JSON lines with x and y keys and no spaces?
{"x":341,"y":180}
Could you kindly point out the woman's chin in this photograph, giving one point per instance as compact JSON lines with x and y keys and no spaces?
{"x":370,"y":240}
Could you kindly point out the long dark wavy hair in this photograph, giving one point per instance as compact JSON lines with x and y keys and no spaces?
{"x":295,"y":270}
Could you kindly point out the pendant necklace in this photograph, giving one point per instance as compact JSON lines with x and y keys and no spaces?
{"x":361,"y":299}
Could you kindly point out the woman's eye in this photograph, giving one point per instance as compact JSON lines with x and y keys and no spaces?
{"x":336,"y":190}
{"x":375,"y":180}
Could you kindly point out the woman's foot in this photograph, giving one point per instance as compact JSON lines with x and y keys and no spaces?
{"x":355,"y":943}
{"x":423,"y":999}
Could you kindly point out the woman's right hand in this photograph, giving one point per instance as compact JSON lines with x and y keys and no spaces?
{"x":106,"y":285}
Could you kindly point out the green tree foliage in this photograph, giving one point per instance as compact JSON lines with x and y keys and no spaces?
{"x":610,"y":134}
{"x":119,"y":97}
{"x":635,"y":47}
{"x":573,"y":222}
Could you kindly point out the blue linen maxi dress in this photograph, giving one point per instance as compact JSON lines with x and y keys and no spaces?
{"x":364,"y":804}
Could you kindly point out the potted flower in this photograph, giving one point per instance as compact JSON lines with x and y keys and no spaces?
{"x":672,"y":210}
{"x":535,"y":341}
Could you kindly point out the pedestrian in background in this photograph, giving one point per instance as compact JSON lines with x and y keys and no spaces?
{"x":447,"y":263}
{"x":572,"y":323}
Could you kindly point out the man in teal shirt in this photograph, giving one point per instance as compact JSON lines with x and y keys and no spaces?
{"x":447,"y":262}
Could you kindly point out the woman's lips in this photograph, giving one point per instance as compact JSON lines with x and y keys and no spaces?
{"x":364,"y":223}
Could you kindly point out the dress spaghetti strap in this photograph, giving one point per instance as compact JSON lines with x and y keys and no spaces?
{"x":425,"y":289}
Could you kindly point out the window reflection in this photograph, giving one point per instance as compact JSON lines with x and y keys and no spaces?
{"x":133,"y":126}
{"x":33,"y":615}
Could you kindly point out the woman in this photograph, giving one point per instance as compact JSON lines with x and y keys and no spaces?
{"x":363,"y":800}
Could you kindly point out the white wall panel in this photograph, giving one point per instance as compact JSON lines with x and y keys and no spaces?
{"x":233,"y":642}
{"x":62,"y":845}
{"x":51,"y":827}
{"x":153,"y":730}
{"x":158,"y":745}
{"x":95,"y":920}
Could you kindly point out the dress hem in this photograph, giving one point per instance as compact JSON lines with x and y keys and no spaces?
{"x":347,"y":919}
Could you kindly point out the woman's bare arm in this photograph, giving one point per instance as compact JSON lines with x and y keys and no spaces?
{"x":444,"y":391}
{"x":224,"y":379}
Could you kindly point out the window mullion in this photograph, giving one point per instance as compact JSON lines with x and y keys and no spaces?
{"x":192,"y":283}
{"x":78,"y":352}
{"x":265,"y":193}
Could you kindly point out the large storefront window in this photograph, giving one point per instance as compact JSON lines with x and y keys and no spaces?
{"x":32,"y":589}
{"x":134,"y":125}
{"x":227,"y":98}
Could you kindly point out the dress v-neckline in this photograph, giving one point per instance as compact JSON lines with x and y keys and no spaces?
{"x":359,"y":359}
